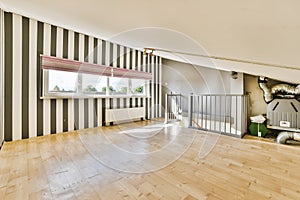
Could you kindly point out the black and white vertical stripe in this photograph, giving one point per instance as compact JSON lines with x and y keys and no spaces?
{"x":8,"y":57}
{"x":26,"y":114}
{"x":1,"y":75}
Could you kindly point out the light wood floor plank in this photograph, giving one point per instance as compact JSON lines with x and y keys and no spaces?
{"x":69,"y":166}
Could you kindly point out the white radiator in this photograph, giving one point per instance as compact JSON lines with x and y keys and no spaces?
{"x":124,"y":114}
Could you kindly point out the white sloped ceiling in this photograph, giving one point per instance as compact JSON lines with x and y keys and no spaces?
{"x":265,"y":31}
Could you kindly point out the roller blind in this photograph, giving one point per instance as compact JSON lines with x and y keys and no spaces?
{"x":62,"y":64}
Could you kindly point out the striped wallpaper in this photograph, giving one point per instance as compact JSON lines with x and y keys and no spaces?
{"x":26,"y":115}
{"x":1,"y":77}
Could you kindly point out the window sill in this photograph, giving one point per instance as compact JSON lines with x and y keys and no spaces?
{"x":87,"y":96}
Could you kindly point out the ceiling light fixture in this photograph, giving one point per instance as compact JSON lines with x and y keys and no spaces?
{"x":149,"y":51}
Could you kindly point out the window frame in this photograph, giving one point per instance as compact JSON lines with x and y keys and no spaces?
{"x":83,"y":94}
{"x":132,"y":89}
{"x":90,"y":92}
{"x":116,"y":94}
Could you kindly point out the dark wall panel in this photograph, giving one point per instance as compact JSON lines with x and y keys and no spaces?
{"x":76,"y":46}
{"x":86,"y":113}
{"x":65,"y":115}
{"x":53,"y":116}
{"x":65,"y":43}
{"x":40,"y":36}
{"x":76,"y":114}
{"x":25,"y":76}
{"x":53,"y":40}
{"x":8,"y":76}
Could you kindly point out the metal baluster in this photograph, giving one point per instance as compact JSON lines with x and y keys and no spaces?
{"x":181,"y":109}
{"x":173,"y":109}
{"x":230,"y":101}
{"x":236,"y":115}
{"x":215,"y":112}
{"x":170,"y":106}
{"x":191,"y":110}
{"x":166,"y":108}
{"x":244,"y":115}
{"x":206,"y":112}
{"x":202,"y":124}
{"x":220,"y":114}
{"x":210,"y":113}
{"x":225,"y":113}
{"x":198,"y":111}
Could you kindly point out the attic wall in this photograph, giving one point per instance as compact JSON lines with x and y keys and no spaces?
{"x":27,"y":114}
{"x":178,"y":77}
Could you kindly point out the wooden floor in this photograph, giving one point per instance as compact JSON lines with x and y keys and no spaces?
{"x":91,"y":164}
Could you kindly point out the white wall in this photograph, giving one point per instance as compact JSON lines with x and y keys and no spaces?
{"x":237,"y":85}
{"x":185,"y":79}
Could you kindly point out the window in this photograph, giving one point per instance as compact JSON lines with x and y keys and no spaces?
{"x":118,"y":85}
{"x":60,"y":81}
{"x":94,"y":84}
{"x":70,"y":78}
{"x":65,"y":84}
{"x":137,"y":86}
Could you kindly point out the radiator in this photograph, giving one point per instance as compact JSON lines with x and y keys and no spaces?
{"x":124,"y":114}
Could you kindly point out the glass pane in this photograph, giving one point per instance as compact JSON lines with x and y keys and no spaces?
{"x":138,"y":86}
{"x":60,"y":81}
{"x":118,"y":85}
{"x":94,"y":83}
